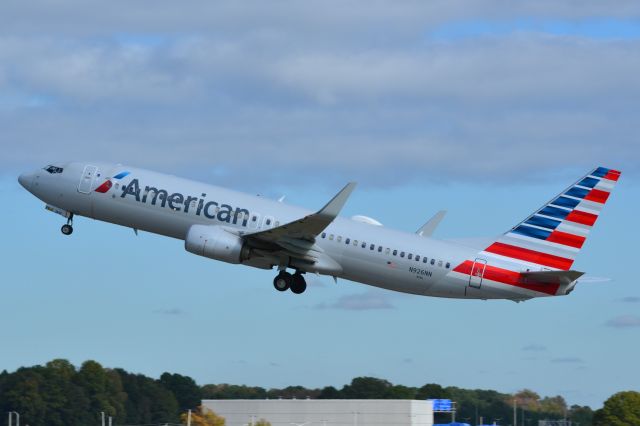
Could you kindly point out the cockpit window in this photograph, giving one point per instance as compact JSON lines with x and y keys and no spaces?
{"x":54,"y":169}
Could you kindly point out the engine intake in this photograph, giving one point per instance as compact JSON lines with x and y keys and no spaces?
{"x":215,"y":242}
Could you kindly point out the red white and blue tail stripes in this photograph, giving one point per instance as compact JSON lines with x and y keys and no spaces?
{"x":549,"y":239}
{"x":552,"y":237}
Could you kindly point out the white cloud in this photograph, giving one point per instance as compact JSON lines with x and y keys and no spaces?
{"x":170,"y":311}
{"x":365,"y":301}
{"x":534,"y":347}
{"x":567,"y":360}
{"x":624,"y":321}
{"x":360,"y":91}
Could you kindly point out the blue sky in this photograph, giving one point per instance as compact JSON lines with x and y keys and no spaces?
{"x":479,"y":109}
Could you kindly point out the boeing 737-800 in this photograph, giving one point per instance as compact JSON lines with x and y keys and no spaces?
{"x":532,"y":259}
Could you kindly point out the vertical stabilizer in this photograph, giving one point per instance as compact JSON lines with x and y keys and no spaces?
{"x":552,"y":236}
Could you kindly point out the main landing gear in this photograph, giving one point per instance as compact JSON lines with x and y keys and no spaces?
{"x":285,"y":281}
{"x":67,"y":229}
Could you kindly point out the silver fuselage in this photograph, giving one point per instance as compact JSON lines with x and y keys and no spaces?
{"x":187,"y":203}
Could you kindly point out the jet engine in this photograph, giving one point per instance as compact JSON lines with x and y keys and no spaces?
{"x":215,"y":242}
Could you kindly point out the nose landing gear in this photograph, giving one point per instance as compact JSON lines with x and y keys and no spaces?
{"x":67,"y":229}
{"x":285,"y":281}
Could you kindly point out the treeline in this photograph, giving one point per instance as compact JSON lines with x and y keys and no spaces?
{"x":59,"y":394}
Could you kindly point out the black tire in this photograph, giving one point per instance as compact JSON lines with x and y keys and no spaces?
{"x":298,"y":284}
{"x":282,"y":281}
{"x":67,"y":229}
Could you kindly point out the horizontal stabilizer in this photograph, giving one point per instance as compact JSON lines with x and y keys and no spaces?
{"x":551,"y":277}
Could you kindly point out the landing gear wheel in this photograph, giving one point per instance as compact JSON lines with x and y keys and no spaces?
{"x":298,"y":284}
{"x":282,"y":281}
{"x":67,"y":229}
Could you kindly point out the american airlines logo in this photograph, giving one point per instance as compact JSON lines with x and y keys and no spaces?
{"x":179,"y":202}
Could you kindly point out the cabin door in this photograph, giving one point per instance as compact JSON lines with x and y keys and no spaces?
{"x":86,"y":181}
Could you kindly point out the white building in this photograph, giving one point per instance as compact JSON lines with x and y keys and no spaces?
{"x":323,"y":412}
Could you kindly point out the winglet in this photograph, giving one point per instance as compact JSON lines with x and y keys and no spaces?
{"x":427,"y":229}
{"x":333,"y":207}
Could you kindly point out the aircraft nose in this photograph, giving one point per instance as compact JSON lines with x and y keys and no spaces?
{"x":25,"y":180}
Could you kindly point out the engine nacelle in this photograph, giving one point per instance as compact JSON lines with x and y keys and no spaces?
{"x":215,"y":242}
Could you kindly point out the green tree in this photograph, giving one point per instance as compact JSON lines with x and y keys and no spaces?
{"x":104,"y":390}
{"x":553,"y":405}
{"x":329,"y":392}
{"x":528,"y":399}
{"x":66,"y":402}
{"x":581,"y":415}
{"x":262,"y":422}
{"x":366,"y":388}
{"x":147,"y":400}
{"x":621,"y":409}
{"x":226,"y":391}
{"x":432,"y":391}
{"x":401,"y":392}
{"x":23,"y":393}
{"x":473,"y":403}
{"x":185,"y":389}
{"x":290,"y":392}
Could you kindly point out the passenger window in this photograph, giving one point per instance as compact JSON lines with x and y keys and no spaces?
{"x":395,"y":252}
{"x":417,"y":258}
{"x":433,"y":261}
{"x":379,"y":249}
{"x":424,"y":260}
{"x":401,"y":254}
{"x":331,"y":237}
{"x":448,"y":265}
{"x":372,"y":247}
{"x":364,"y":244}
{"x":339,"y":238}
{"x":347,"y":241}
{"x":269,"y":223}
{"x":254,"y":218}
{"x":324,"y":235}
{"x":410,"y":256}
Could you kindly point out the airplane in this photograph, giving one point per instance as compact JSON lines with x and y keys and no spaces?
{"x":532,"y":259}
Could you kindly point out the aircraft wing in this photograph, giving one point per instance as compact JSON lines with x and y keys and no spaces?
{"x":297,"y":239}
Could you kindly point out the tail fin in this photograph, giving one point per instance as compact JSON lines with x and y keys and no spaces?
{"x":552,"y":236}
